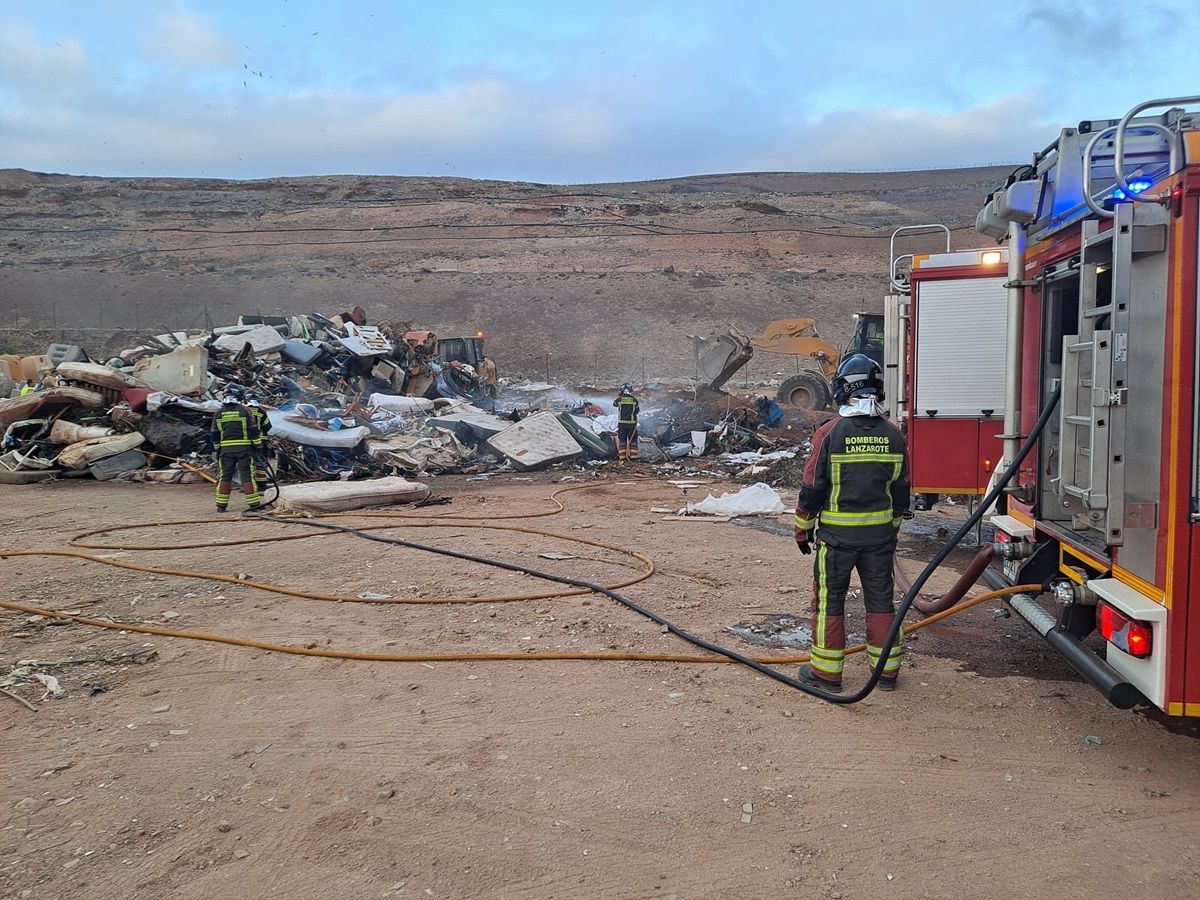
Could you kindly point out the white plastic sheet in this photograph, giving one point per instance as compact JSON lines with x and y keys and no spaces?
{"x":752,"y":457}
{"x":401,"y":404}
{"x":756,"y":500}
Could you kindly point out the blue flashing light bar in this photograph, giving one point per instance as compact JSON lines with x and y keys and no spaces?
{"x":1136,"y":187}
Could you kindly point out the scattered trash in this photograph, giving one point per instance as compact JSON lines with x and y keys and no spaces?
{"x":349,"y":399}
{"x":757,"y":500}
{"x":97,"y":687}
{"x":1092,"y":740}
{"x":50,"y":683}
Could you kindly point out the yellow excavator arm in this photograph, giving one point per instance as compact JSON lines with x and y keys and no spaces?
{"x":798,"y":337}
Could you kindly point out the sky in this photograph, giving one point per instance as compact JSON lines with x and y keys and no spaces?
{"x":570,"y":91}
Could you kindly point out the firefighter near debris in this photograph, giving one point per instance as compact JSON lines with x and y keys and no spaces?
{"x":627,"y":423}
{"x":238,"y":441}
{"x":855,"y":494}
{"x":262,"y":452}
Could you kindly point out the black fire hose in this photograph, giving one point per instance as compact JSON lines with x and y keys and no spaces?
{"x":697,"y":641}
{"x":272,"y":478}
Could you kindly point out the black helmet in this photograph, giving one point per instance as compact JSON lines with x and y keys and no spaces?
{"x":857,"y":375}
{"x":233,"y":394}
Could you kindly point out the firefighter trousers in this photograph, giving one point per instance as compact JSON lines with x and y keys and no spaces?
{"x":239,"y":461}
{"x":627,"y":440}
{"x":831,"y":580}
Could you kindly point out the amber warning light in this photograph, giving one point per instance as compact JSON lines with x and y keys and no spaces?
{"x":990,"y":257}
{"x":1124,"y":633}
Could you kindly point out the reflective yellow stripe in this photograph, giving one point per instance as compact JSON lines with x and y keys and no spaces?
{"x":804,"y":524}
{"x":836,"y":461}
{"x":822,"y":596}
{"x":893,"y":661}
{"x":827,"y":654}
{"x":829,"y":667}
{"x":882,"y":517}
{"x":233,"y":418}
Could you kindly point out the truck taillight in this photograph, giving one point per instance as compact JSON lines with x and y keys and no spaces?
{"x":1130,"y":635}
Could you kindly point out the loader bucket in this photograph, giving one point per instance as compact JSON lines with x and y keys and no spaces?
{"x":720,"y":356}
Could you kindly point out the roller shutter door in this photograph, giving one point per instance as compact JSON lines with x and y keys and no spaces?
{"x":961,"y":347}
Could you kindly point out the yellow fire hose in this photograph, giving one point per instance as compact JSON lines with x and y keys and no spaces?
{"x":473,"y":657}
{"x":410,"y":520}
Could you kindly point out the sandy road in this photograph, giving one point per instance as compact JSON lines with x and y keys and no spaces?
{"x":215,"y":772}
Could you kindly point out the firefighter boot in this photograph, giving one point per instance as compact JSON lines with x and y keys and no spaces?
{"x":807,"y":676}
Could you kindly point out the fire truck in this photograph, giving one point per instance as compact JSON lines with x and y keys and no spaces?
{"x":951,"y":413}
{"x":1097,"y":334}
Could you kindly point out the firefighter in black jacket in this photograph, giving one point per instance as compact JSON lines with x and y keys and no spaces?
{"x":627,"y":423}
{"x":237,"y":439}
{"x":855,"y":494}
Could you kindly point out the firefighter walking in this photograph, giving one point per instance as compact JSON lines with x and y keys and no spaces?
{"x":237,"y":440}
{"x":627,"y":423}
{"x":855,"y":494}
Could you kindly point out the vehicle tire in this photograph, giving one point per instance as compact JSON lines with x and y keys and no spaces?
{"x":807,"y":390}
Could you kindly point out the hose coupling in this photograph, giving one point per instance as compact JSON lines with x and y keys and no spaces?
{"x":1068,"y":593}
{"x":1013,"y":549}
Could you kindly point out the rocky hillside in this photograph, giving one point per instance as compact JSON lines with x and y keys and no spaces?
{"x":581,"y":280}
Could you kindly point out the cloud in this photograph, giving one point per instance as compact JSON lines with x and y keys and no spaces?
{"x":183,"y":37}
{"x":1009,"y":129}
{"x":29,"y":65}
{"x":163,"y":90}
{"x":496,"y":127}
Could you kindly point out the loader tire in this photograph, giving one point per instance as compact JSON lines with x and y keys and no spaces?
{"x":805,"y":391}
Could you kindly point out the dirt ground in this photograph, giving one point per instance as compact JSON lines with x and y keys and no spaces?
{"x":212,"y":771}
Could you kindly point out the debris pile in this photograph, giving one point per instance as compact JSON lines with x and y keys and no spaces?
{"x":345,"y":400}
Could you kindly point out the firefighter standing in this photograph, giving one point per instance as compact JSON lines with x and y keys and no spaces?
{"x":489,"y":375}
{"x":237,"y":439}
{"x":855,"y":494}
{"x":263,"y":422}
{"x":627,"y":423}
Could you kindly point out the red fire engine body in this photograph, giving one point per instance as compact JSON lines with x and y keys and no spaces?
{"x":1103,"y":233}
{"x":953,"y":412}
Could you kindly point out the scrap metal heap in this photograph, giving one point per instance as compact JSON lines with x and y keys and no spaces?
{"x":345,"y":400}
